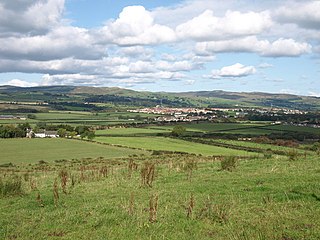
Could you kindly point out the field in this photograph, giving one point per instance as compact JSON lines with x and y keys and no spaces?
{"x":75,"y":118}
{"x":255,"y":128}
{"x":143,"y":183}
{"x":189,"y":198}
{"x":131,"y":131}
{"x":169,"y":144}
{"x":33,"y":150}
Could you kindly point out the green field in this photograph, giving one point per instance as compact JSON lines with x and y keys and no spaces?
{"x":130,"y":131}
{"x":212,"y":127}
{"x":33,"y":150}
{"x":241,"y":128}
{"x":259,"y":199}
{"x":262,"y":146}
{"x":169,"y":144}
{"x":75,"y":118}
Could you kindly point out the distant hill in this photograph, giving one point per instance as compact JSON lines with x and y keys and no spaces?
{"x":119,"y":97}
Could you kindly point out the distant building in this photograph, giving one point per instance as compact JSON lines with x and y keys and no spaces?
{"x":42,"y":134}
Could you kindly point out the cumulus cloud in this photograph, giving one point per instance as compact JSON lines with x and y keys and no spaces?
{"x":234,"y":71}
{"x":279,"y":48}
{"x":209,"y":27}
{"x":61,"y":42}
{"x":304,"y":14}
{"x":29,"y":16}
{"x":145,"y":46}
{"x":136,"y":26}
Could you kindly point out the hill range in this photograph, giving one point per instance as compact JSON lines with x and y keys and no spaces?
{"x":125,"y":98}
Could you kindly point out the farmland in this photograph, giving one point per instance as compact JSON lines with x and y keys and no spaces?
{"x":34,"y":150}
{"x":269,"y":199}
{"x":114,"y":174}
{"x":169,"y":144}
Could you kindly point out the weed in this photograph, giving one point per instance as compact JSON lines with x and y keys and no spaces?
{"x":104,"y":171}
{"x":39,"y":200}
{"x":64,"y":179}
{"x":33,"y":184}
{"x":147,"y":174}
{"x":11,"y":186}
{"x":189,"y":166}
{"x":190,"y":207}
{"x":131,"y":167}
{"x":292,"y":155}
{"x":153,"y":208}
{"x":55,"y":192}
{"x":228,"y":163}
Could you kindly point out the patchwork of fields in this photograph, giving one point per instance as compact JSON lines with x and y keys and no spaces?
{"x":143,"y":183}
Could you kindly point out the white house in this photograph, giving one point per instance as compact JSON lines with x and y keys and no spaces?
{"x":42,"y":134}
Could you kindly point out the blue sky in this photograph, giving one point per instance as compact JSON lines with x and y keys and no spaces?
{"x":192,"y":45}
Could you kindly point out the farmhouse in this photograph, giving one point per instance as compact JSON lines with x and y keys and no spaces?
{"x":42,"y":134}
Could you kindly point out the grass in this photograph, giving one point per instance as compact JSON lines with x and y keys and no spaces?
{"x":258,"y":145}
{"x":34,"y":150}
{"x":213,"y":127}
{"x":129,"y":131}
{"x":259,"y":199}
{"x":170,"y":144}
{"x":241,"y":128}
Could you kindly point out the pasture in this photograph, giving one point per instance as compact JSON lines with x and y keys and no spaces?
{"x":107,"y":199}
{"x":34,"y":150}
{"x":131,"y":131}
{"x":170,"y":144}
{"x":255,"y":128}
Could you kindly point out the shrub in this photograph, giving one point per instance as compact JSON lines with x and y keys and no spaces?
{"x":228,"y":163}
{"x":178,"y":131}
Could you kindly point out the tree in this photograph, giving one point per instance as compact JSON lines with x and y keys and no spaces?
{"x":178,"y":131}
{"x":62,"y":132}
{"x":72,"y":134}
{"x":91,"y":135}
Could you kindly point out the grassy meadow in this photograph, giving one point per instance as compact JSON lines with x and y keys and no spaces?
{"x":187,"y":197}
{"x":170,"y":144}
{"x":34,"y":150}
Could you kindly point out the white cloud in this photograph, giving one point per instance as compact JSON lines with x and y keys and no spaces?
{"x":234,"y":71}
{"x":305,"y":14}
{"x":135,"y":26}
{"x":279,"y":48}
{"x":209,"y":27}
{"x":286,"y":47}
{"x":61,"y":42}
{"x":265,"y":65}
{"x":144,"y":45}
{"x":20,"y":83}
{"x":29,"y":16}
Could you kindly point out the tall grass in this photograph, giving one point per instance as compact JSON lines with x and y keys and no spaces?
{"x":11,"y":186}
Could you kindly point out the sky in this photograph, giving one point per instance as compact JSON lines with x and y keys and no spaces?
{"x":168,"y":45}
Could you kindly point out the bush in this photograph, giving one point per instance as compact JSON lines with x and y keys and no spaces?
{"x":178,"y":131}
{"x":228,"y":163}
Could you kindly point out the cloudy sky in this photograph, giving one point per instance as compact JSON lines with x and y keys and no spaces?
{"x":163,"y":45}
